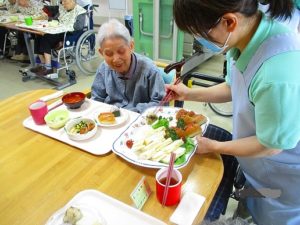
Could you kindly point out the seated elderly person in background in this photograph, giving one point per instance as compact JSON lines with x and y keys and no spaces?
{"x":72,"y":16}
{"x":28,"y":8}
{"x":125,"y":79}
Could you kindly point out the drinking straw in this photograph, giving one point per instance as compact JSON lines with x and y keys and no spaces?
{"x":169,"y":175}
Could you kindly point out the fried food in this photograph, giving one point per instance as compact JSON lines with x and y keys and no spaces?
{"x":190,"y":125}
{"x":190,"y":117}
{"x":151,"y":118}
{"x":107,"y":118}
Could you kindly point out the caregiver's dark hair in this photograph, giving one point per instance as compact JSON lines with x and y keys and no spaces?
{"x":198,"y":16}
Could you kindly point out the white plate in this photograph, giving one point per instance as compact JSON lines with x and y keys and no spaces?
{"x":90,"y":215}
{"x":137,"y":128}
{"x":119,"y":120}
{"x":110,"y":210}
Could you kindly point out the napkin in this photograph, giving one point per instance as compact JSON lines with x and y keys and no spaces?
{"x":187,"y":209}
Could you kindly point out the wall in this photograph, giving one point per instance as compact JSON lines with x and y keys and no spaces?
{"x":103,"y":12}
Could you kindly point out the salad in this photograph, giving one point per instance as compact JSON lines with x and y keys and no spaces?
{"x":164,"y":135}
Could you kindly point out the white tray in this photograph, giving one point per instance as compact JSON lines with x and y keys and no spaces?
{"x":99,"y":144}
{"x":137,"y":128}
{"x":111,"y":210}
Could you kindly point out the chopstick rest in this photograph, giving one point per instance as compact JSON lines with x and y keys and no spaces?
{"x":188,"y":208}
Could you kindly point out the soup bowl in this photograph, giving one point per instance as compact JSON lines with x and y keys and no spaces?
{"x":73,"y":100}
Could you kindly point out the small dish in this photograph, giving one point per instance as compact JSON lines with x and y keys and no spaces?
{"x":81,"y":129}
{"x":118,"y":119}
{"x":57,"y":118}
{"x":73,"y":100}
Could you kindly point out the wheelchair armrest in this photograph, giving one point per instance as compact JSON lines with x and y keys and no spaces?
{"x":204,"y":77}
{"x":239,"y":179}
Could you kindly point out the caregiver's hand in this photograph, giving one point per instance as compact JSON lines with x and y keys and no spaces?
{"x":205,"y":145}
{"x":179,"y":91}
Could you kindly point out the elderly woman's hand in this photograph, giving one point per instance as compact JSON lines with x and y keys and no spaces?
{"x":205,"y":145}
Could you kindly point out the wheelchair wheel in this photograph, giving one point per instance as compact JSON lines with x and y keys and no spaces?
{"x":87,"y":57}
{"x":222,"y":109}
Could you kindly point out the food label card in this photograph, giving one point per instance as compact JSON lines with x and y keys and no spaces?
{"x":141,"y":193}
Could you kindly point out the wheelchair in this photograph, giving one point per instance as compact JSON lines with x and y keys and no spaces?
{"x":9,"y":43}
{"x":203,"y":80}
{"x":79,"y":47}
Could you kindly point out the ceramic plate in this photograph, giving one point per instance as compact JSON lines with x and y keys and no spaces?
{"x":137,"y":128}
{"x":119,"y":120}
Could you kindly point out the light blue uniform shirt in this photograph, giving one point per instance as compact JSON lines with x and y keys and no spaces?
{"x":274,"y":90}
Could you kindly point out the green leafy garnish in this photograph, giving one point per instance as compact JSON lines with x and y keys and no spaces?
{"x":189,"y":145}
{"x":162,"y":122}
{"x":180,"y":160}
{"x":181,"y":124}
{"x":170,"y":133}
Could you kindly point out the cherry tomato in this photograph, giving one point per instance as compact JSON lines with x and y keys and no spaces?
{"x":129,"y":143}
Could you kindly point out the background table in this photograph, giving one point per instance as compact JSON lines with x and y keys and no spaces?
{"x":39,"y":175}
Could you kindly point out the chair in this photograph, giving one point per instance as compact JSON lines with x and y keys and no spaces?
{"x":10,"y":42}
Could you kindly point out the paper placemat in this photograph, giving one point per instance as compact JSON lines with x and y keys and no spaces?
{"x":188,"y":208}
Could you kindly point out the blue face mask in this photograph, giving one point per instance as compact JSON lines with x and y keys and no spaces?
{"x":212,"y":46}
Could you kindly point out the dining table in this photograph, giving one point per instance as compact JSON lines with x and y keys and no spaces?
{"x":39,"y":174}
{"x":39,"y":27}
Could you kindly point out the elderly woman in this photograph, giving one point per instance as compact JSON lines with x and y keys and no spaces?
{"x":72,"y":16}
{"x":126,"y":79}
{"x":25,"y":7}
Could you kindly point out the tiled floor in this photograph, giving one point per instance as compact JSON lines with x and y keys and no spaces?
{"x":11,"y":84}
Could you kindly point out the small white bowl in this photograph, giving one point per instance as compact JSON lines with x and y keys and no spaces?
{"x":57,"y":118}
{"x":78,"y":136}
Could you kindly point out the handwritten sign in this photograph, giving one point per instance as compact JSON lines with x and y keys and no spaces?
{"x":141,"y":193}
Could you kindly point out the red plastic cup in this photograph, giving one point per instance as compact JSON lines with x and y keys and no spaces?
{"x":174,"y":191}
{"x":38,"y":111}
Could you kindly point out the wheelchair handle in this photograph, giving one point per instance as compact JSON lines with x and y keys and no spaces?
{"x":177,"y":66}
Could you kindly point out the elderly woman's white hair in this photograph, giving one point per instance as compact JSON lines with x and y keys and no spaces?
{"x":113,"y":29}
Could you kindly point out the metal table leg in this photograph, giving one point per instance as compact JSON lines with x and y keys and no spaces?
{"x":29,"y":48}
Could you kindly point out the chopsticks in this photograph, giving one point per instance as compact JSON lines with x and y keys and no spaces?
{"x":167,"y":97}
{"x":55,"y":106}
{"x":169,"y":175}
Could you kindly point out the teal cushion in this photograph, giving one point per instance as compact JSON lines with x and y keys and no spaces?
{"x":168,"y":77}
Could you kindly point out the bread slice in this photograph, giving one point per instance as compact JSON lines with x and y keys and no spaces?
{"x":107,"y":118}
